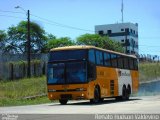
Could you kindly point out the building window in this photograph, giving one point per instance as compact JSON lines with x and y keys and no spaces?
{"x":128,"y":51}
{"x":126,"y":29}
{"x":132,"y":52}
{"x":127,"y":43}
{"x":122,"y":40}
{"x":131,"y":30}
{"x":122,"y":29}
{"x":109,"y":31}
{"x":134,"y":32}
{"x":100,"y":32}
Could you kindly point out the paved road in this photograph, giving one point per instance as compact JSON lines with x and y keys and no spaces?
{"x":147,"y":104}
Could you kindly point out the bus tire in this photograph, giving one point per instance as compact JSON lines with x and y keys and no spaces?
{"x":96,"y":98}
{"x":118,"y":98}
{"x":91,"y":101}
{"x":101,"y":99}
{"x":63,"y":101}
{"x":124,"y":93}
{"x":128,"y":92}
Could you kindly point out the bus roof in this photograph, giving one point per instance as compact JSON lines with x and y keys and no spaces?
{"x":89,"y":47}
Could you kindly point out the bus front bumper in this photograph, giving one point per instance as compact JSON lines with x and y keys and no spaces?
{"x":77,"y":95}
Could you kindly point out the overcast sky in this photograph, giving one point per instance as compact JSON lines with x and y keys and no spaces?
{"x":64,"y":16}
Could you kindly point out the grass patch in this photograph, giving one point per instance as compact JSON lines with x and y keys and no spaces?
{"x":14,"y":102}
{"x":14,"y":92}
{"x":149,"y":71}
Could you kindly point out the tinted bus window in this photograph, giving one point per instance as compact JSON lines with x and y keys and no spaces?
{"x":107,"y":59}
{"x":114,"y":60}
{"x":67,"y":55}
{"x":76,"y":72}
{"x":131,"y":65}
{"x":126,"y":65}
{"x":120,"y":61}
{"x":99,"y":58}
{"x":135,"y":64}
{"x":91,"y":56}
{"x":56,"y":73}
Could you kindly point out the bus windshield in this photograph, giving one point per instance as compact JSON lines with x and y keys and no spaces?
{"x":69,"y":72}
{"x":67,"y":55}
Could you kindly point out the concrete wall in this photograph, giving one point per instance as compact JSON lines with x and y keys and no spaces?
{"x":11,"y":68}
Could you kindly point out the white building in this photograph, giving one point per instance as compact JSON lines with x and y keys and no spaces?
{"x":125,"y":33}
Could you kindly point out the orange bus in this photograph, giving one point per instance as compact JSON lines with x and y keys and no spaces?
{"x":90,"y":73}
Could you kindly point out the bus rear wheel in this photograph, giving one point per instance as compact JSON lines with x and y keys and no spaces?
{"x":63,"y":101}
{"x":125,"y":95}
{"x":128,"y":92}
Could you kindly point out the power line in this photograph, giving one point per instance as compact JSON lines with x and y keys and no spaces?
{"x":12,"y":16}
{"x":157,"y":37}
{"x":148,"y":46}
{"x":66,"y":26}
{"x":61,"y":25}
{"x":11,"y":12}
{"x":50,"y":21}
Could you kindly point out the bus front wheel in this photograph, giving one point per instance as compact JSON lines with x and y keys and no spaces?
{"x":63,"y":101}
{"x":96,"y":98}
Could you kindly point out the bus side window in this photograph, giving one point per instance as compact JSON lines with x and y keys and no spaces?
{"x":131,"y":64}
{"x":91,"y":56}
{"x":120,"y":61}
{"x":107,"y":59}
{"x":114,"y":60}
{"x":91,"y":65}
{"x":126,"y":65}
{"x":135,"y":64}
{"x":99,"y":58}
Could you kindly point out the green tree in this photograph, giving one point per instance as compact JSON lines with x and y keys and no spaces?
{"x":60,"y":42}
{"x":50,"y":36}
{"x":99,"y":41}
{"x":3,"y":37}
{"x":17,"y":38}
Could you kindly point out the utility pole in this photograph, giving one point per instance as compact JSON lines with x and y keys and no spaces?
{"x":28,"y":42}
{"x":28,"y":45}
